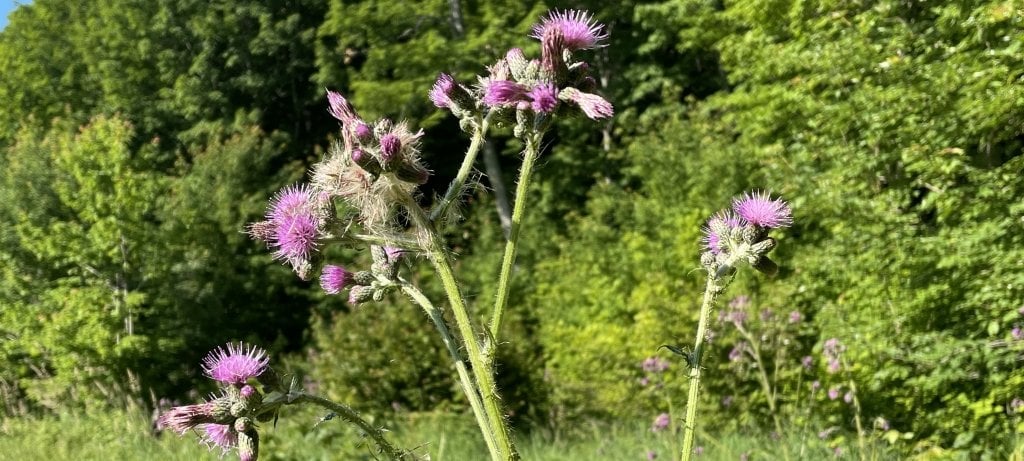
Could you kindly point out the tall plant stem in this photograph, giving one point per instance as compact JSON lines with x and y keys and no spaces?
{"x":455,"y":188}
{"x":711,"y":290}
{"x":348,"y":414}
{"x":465,"y":380}
{"x":482,"y":370}
{"x":530,"y":155}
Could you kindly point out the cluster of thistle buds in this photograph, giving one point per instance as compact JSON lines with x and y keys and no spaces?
{"x":227,"y":420}
{"x":741,"y":234}
{"x":529,"y":91}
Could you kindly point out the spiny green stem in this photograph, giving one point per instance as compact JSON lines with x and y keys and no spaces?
{"x":348,"y":414}
{"x":455,"y":188}
{"x":465,"y":380}
{"x":482,"y":370}
{"x":711,"y":290}
{"x":530,"y":155}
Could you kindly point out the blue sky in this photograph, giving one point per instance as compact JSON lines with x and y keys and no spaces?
{"x":6,"y":6}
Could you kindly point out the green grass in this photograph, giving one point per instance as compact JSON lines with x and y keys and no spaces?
{"x":125,"y":435}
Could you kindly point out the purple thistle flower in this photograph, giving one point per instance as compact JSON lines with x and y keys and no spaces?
{"x":594,"y":106}
{"x":340,"y":108}
{"x":218,"y":436}
{"x":236,"y":366}
{"x":295,"y":237}
{"x":713,"y":242}
{"x":736,"y":354}
{"x":759,"y":209}
{"x":661,"y":422}
{"x":184,"y":418}
{"x":807,"y":361}
{"x":741,"y":301}
{"x":362,"y":130}
{"x":440,"y":93}
{"x":644,"y":382}
{"x":652,"y":455}
{"x":390,"y":145}
{"x":815,"y":385}
{"x":333,"y":279}
{"x":833,"y":393}
{"x":503,"y":92}
{"x":578,"y":29}
{"x":1017,"y":333}
{"x":795,"y":317}
{"x":738,"y":317}
{"x":833,"y":365}
{"x":848,"y":397}
{"x":289,"y":201}
{"x":544,"y":97}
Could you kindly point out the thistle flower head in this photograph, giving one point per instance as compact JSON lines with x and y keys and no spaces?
{"x":661,"y":422}
{"x":333,"y":279}
{"x":237,"y":365}
{"x":390,"y":146}
{"x":503,"y":92}
{"x":184,"y":418}
{"x":290,"y":201}
{"x":543,"y":97}
{"x":440,"y":94}
{"x":295,"y":238}
{"x":578,"y":28}
{"x":714,"y":237}
{"x":218,"y":436}
{"x":592,"y":105}
{"x":340,"y":108}
{"x":759,"y":209}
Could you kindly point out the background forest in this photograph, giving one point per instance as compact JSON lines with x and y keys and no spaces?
{"x":138,"y":137}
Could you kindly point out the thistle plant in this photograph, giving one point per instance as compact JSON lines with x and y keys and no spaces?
{"x":731,"y":238}
{"x":364,"y":195}
{"x":252,"y":393}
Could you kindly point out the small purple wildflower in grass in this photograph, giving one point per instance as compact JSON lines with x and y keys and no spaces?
{"x":832,"y":346}
{"x":390,"y":145}
{"x":736,"y":354}
{"x":654,"y":365}
{"x":652,"y":455}
{"x":710,"y":336}
{"x":699,"y":450}
{"x":838,"y":451}
{"x":237,"y":365}
{"x":218,"y":436}
{"x":815,"y":386}
{"x":543,"y":97}
{"x":644,"y":382}
{"x":295,"y":237}
{"x":740,"y":301}
{"x":1017,"y":333}
{"x":503,"y":92}
{"x":440,"y":93}
{"x":737,"y":318}
{"x":833,"y":365}
{"x":882,"y":423}
{"x":333,"y":279}
{"x":578,"y":28}
{"x":795,"y":317}
{"x":807,"y":362}
{"x":759,"y":209}
{"x":848,"y":397}
{"x":767,"y":315}
{"x":661,"y":422}
{"x":833,"y":393}
{"x":593,"y":106}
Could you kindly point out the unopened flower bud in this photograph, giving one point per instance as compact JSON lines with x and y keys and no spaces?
{"x":518,"y":65}
{"x":360,"y":294}
{"x":248,"y":445}
{"x":364,"y":278}
{"x":390,"y":146}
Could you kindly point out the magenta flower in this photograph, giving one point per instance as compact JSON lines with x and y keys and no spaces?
{"x":741,"y":301}
{"x":394,"y":254}
{"x":654,"y":365}
{"x":333,"y":279}
{"x":815,"y":386}
{"x":736,"y":354}
{"x":759,"y":209}
{"x":661,"y":422}
{"x":1016,"y":333}
{"x":390,"y":145}
{"x":578,"y":29}
{"x":362,"y":130}
{"x":795,"y":317}
{"x":184,"y":418}
{"x":340,"y":108}
{"x":440,"y":93}
{"x":544,"y":97}
{"x":807,"y":361}
{"x":713,"y":241}
{"x":218,"y":436}
{"x":848,"y":397}
{"x":290,"y":201}
{"x":833,"y":365}
{"x":503,"y":92}
{"x":295,"y":237}
{"x":236,"y":366}
{"x":592,"y":105}
{"x":833,"y":393}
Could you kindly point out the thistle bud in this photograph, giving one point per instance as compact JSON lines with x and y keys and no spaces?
{"x":248,"y":445}
{"x":360,"y":294}
{"x":364,"y":277}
